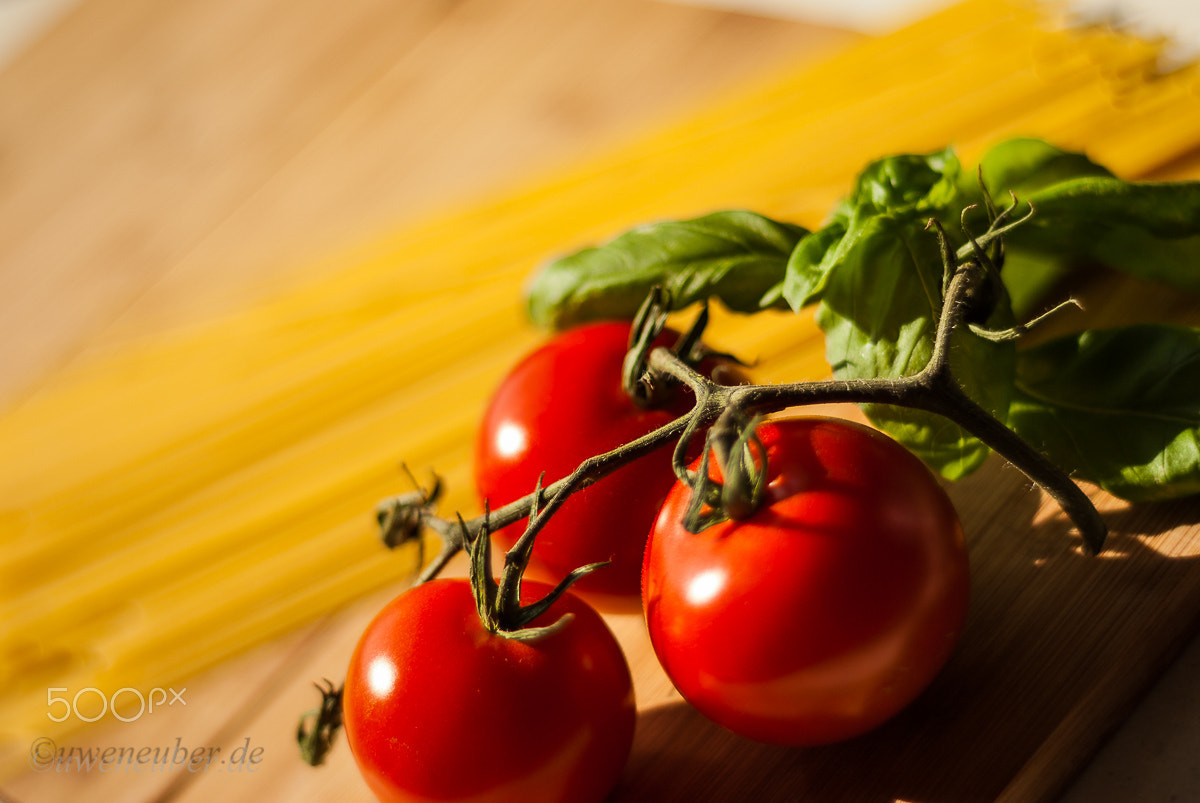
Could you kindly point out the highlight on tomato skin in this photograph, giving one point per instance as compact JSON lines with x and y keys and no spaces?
{"x":437,"y":707}
{"x":827,"y":611}
{"x":560,"y":405}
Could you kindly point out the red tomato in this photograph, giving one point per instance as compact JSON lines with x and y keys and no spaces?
{"x":436,"y":707}
{"x":559,"y":406}
{"x":830,"y":608}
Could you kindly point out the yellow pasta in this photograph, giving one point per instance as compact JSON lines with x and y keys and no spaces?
{"x":169,"y":505}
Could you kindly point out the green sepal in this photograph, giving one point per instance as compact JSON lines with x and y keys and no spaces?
{"x":499,"y":602}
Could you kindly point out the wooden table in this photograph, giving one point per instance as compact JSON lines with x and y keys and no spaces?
{"x":166,"y":162}
{"x":162,"y":163}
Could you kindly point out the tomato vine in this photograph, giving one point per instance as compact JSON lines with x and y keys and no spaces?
{"x":934,"y":389}
{"x":945,"y":298}
{"x":734,"y":409}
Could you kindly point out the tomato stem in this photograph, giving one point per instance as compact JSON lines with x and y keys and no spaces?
{"x":649,"y":370}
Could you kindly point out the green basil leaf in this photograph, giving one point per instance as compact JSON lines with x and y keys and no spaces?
{"x":877,"y":272}
{"x":1119,"y":407}
{"x":811,"y":263}
{"x":1032,"y":279}
{"x":735,"y":256}
{"x":879,"y":312}
{"x":1025,"y":165}
{"x":1022,"y":167}
{"x":908,"y":183}
{"x":912,"y":187}
{"x":1149,"y":230}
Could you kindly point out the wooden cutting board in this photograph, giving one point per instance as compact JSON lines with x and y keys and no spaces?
{"x":169,"y":168}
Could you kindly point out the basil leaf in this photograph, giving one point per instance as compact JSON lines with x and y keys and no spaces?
{"x":735,"y":256}
{"x":1119,"y":407}
{"x":1025,"y":165}
{"x":1086,"y":216}
{"x":908,"y":182}
{"x":811,"y":263}
{"x":1021,"y":167}
{"x":879,"y":313}
{"x":911,"y":187}
{"x":877,"y":273}
{"x":1148,"y":230}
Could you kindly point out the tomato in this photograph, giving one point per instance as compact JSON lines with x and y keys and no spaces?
{"x":826,"y":611}
{"x":560,"y":405}
{"x":437,"y":707}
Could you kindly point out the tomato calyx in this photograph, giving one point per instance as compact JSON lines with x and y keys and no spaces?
{"x":649,"y":388}
{"x":402,"y":517}
{"x":741,"y":462}
{"x":499,"y":602}
{"x":316,"y":739}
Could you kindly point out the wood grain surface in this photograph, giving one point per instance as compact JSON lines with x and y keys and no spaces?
{"x":165,"y":161}
{"x":164,"y":164}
